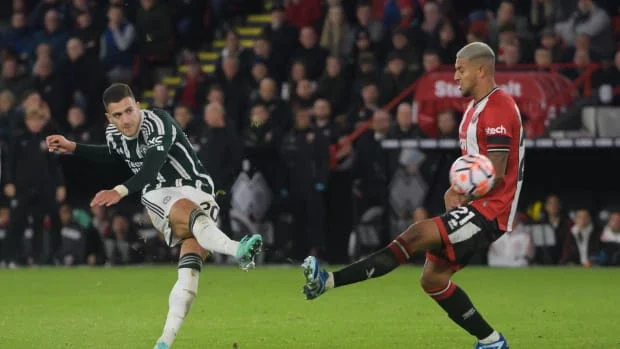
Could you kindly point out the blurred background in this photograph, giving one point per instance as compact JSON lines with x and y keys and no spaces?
{"x":328,"y":125}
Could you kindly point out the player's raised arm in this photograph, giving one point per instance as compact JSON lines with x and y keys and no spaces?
{"x":98,"y":153}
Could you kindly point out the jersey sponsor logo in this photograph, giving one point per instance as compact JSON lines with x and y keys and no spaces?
{"x":492,"y":131}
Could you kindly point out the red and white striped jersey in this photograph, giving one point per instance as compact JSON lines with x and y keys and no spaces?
{"x":494,"y":124}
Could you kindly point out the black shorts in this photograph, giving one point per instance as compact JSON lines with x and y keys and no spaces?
{"x":464,"y":232}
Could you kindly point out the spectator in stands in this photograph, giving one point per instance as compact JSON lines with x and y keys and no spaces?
{"x":395,"y":79}
{"x":431,"y":61}
{"x":193,"y":23}
{"x":582,"y":244}
{"x":233,"y":48}
{"x":78,"y":130}
{"x":581,"y":58}
{"x":283,"y":38}
{"x":116,"y":44}
{"x":582,"y":43}
{"x":305,"y":155}
{"x":447,"y":125}
{"x":323,"y":121}
{"x":39,"y":14}
{"x":431,"y":24}
{"x":52,"y":34}
{"x":215,"y":94}
{"x":72,"y":250}
{"x":193,"y":89}
{"x":86,"y":31}
{"x":261,"y":139}
{"x":9,"y":119}
{"x":364,"y":110}
{"x":334,"y":85}
{"x":405,"y":128}
{"x":362,"y":47}
{"x":366,"y":22}
{"x":85,"y":92}
{"x":18,"y":37}
{"x":298,"y":73}
{"x":162,"y":97}
{"x":154,"y":39}
{"x":236,"y":92}
{"x":304,"y":96}
{"x":221,"y":149}
{"x":505,"y":14}
{"x":542,"y":14}
{"x":336,"y":33}
{"x":311,"y":53}
{"x":411,"y":54}
{"x":43,"y":50}
{"x":34,"y":180}
{"x":303,"y":13}
{"x":542,"y":58}
{"x":365,"y":73}
{"x":448,"y":44}
{"x":591,"y":20}
{"x":262,"y":50}
{"x":511,"y":57}
{"x":513,"y":249}
{"x":11,"y":79}
{"x":278,"y":109}
{"x":610,"y":81}
{"x":184,"y":117}
{"x":258,"y":72}
{"x":118,"y":243}
{"x":50,"y":85}
{"x":555,"y":217}
{"x":550,"y":41}
{"x":101,"y":228}
{"x":610,"y":240}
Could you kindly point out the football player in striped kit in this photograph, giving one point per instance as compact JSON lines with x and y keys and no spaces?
{"x":176,"y":190}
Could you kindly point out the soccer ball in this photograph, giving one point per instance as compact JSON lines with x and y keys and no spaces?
{"x":472,"y":175}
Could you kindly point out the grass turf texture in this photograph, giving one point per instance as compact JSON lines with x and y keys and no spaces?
{"x":264,"y":308}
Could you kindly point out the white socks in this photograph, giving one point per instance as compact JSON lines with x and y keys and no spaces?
{"x":180,"y":301}
{"x":211,"y":238}
{"x":493,"y":337}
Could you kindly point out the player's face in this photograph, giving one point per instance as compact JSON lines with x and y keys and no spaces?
{"x":465,"y":75}
{"x":125,"y":115}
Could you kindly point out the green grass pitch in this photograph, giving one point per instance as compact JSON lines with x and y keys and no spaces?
{"x":264,"y":308}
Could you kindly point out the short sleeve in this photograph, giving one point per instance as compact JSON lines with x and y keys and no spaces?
{"x":497,"y":126}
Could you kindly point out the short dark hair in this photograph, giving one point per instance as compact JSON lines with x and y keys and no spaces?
{"x":115,"y":93}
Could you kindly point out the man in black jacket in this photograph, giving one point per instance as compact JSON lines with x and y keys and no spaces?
{"x":34,"y":182}
{"x":220,"y":147}
{"x":305,"y":153}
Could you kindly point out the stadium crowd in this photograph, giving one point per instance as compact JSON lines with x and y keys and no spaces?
{"x":264,"y":119}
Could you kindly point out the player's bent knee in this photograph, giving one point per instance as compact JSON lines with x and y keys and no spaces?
{"x":180,"y":216}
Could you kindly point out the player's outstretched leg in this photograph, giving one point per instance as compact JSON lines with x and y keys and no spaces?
{"x":417,"y":237}
{"x":211,"y":237}
{"x":184,"y":291}
{"x":436,"y":282}
{"x":189,"y":220}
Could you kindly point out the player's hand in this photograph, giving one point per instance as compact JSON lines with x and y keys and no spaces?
{"x":59,"y":144}
{"x":61,"y":194}
{"x":9,"y":190}
{"x":453,"y":199}
{"x":106,"y":198}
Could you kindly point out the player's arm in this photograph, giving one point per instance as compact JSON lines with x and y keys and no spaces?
{"x":158,"y":145}
{"x":98,"y":153}
{"x":500,"y":161}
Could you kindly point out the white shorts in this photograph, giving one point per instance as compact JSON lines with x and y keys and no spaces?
{"x":159,"y":202}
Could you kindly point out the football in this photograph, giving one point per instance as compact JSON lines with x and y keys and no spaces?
{"x":472,"y":174}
